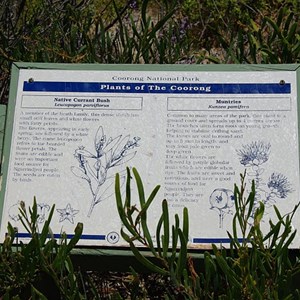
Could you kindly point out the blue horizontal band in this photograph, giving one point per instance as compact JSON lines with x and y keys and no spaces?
{"x":213,"y":240}
{"x":69,"y":236}
{"x":157,"y":88}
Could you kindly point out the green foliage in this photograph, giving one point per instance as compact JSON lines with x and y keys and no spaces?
{"x":169,"y":256}
{"x":86,"y":32}
{"x":256,"y":265}
{"x":228,"y":16}
{"x":135,"y":39}
{"x":42,"y":268}
{"x":259,"y":265}
{"x":274,"y":40}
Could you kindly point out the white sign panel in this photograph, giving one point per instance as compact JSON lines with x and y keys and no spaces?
{"x":191,"y":132}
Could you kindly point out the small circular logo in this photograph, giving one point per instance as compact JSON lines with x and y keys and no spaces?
{"x":113,"y":237}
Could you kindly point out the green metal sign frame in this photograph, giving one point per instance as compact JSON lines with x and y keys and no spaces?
{"x":8,"y":120}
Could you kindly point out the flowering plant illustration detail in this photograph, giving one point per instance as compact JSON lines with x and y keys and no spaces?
{"x":253,"y":156}
{"x":42,"y":211}
{"x":67,"y":214}
{"x":94,"y":166}
{"x":221,"y":200}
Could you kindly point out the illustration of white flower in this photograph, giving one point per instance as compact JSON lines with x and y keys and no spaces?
{"x":67,"y":213}
{"x":94,"y":166}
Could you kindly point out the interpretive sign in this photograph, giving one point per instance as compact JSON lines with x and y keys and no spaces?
{"x":192,"y":130}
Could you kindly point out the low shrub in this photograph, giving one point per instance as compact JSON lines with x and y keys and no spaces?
{"x":41,"y":268}
{"x":256,"y":265}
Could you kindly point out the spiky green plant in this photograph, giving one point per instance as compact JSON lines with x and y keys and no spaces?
{"x":40,"y":267}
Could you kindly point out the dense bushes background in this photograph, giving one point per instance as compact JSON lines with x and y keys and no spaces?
{"x":155,"y":32}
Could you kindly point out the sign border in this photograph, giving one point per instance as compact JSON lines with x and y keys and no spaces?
{"x":16,"y":67}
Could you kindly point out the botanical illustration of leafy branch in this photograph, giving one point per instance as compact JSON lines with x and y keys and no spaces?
{"x":94,"y":167}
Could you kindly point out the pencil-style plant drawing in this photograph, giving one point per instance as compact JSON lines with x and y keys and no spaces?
{"x":94,"y":166}
{"x":253,"y":156}
{"x":13,"y":212}
{"x":277,"y":186}
{"x":42,"y":210}
{"x":221,"y":200}
{"x":67,"y":214}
